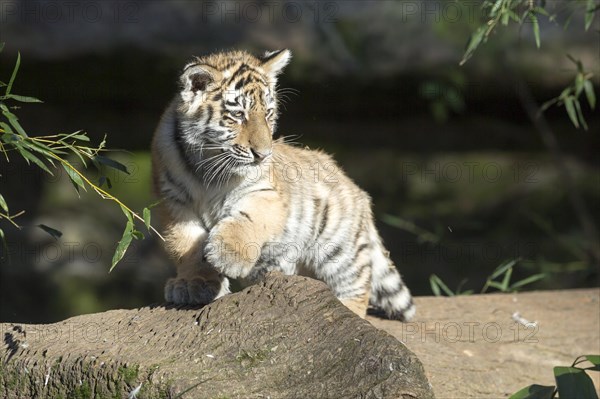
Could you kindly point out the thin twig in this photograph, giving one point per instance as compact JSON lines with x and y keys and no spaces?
{"x":103,"y":194}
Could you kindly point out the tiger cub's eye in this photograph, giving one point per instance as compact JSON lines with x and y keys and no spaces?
{"x":237,"y":114}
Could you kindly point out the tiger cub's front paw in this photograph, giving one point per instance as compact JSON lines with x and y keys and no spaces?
{"x":195,"y":290}
{"x":232,"y":260}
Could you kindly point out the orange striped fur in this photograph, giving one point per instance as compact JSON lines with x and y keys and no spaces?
{"x":238,"y":204}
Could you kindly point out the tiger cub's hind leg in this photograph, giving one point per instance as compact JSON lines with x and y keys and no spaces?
{"x":354,"y":291}
{"x":358,"y":305}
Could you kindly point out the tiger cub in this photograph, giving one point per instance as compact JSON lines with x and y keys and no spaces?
{"x":238,"y":204}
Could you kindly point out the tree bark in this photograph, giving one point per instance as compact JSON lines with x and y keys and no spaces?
{"x":287,"y":337}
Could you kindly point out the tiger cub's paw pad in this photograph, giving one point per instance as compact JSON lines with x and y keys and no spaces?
{"x":192,"y":291}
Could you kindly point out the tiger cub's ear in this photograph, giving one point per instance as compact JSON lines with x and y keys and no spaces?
{"x":273,"y":62}
{"x":197,"y":79}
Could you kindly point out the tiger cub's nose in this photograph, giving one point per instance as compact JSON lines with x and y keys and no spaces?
{"x":260,"y":155}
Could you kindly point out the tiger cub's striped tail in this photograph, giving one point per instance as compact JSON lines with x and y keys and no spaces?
{"x":388,"y":291}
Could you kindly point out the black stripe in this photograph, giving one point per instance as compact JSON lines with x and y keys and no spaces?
{"x":226,"y":115}
{"x":332,"y":254}
{"x":336,"y":227}
{"x":272,"y":55}
{"x":243,"y":68}
{"x":240,"y":83}
{"x":212,"y":132}
{"x":182,"y":189}
{"x":168,"y":194}
{"x":359,"y":230}
{"x":323,"y":220}
{"x":359,"y":249}
{"x":345,"y":276}
{"x":209,"y":111}
{"x":229,"y":64}
{"x":262,"y":189}
{"x":386,"y":292}
{"x":244,"y":214}
{"x":363,"y":266}
{"x":204,"y":222}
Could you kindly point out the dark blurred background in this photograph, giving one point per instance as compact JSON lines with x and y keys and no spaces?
{"x":460,"y":178}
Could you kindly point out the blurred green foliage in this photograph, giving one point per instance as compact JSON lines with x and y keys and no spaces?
{"x":48,"y":152}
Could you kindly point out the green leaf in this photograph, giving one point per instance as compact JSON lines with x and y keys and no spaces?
{"x":30,"y":157}
{"x":2,"y":46}
{"x":127,"y":214}
{"x":75,"y":178}
{"x":506,"y":280}
{"x":102,"y":180}
{"x":3,"y":204}
{"x":534,"y":392}
{"x":570,"y":107}
{"x":496,"y":7}
{"x":436,"y":284}
{"x":8,"y":138}
{"x":590,"y":13}
{"x":548,"y":104}
{"x":503,"y":268}
{"x":496,"y":285}
{"x":23,"y":99}
{"x":154,"y":204}
{"x":53,"y":232}
{"x":138,"y":235}
{"x":122,"y":246}
{"x":541,"y":10}
{"x":435,"y":288}
{"x":14,"y":121}
{"x":474,"y":42}
{"x":78,"y":135}
{"x":589,"y":93}
{"x":513,"y":15}
{"x":528,"y":280}
{"x":579,"y":84}
{"x":505,"y":18}
{"x":147,"y":215}
{"x":567,"y":92}
{"x":580,"y":114}
{"x":44,"y":150}
{"x":595,"y":360}
{"x":111,"y":163}
{"x":574,"y":383}
{"x":4,"y":245}
{"x":536,"y":28}
{"x":76,"y":152}
{"x":14,"y":74}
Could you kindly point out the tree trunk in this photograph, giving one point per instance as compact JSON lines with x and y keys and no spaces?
{"x":287,"y":337}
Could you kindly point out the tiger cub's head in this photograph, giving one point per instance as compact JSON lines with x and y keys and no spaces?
{"x":229,"y":108}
